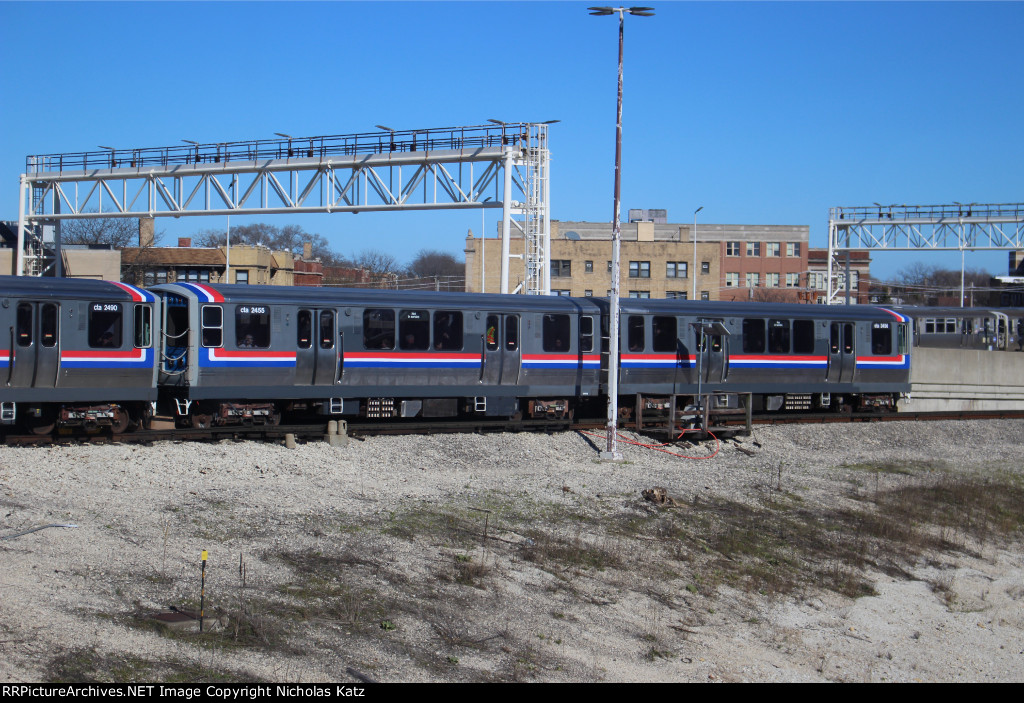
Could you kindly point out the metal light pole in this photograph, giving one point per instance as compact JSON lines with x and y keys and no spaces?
{"x":612,"y":449}
{"x":693,"y":274}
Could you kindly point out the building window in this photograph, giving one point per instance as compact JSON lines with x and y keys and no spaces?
{"x":732,"y":248}
{"x":588,"y":266}
{"x":753,"y":248}
{"x":792,"y":280}
{"x":704,"y":295}
{"x":816,"y":281}
{"x":588,"y":293}
{"x":771,"y":280}
{"x":732,"y":280}
{"x":705,"y":267}
{"x":561,"y":291}
{"x":561,"y":268}
{"x":753,"y":280}
{"x":609,"y":267}
{"x":772,"y":249}
{"x":242,"y":276}
{"x":792,"y":248}
{"x":639,"y":269}
{"x":676,"y":295}
{"x":639,"y":294}
{"x":676,"y":269}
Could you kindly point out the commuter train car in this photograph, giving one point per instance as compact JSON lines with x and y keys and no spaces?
{"x":966,"y":328}
{"x":76,"y":352}
{"x":93,"y":353}
{"x":251,"y":353}
{"x":794,"y":357}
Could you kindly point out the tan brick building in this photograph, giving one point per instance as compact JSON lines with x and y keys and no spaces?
{"x":146,"y":266}
{"x":657,"y":260}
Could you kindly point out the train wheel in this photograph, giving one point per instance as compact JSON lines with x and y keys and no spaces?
{"x":44,"y":424}
{"x":201,"y":421}
{"x":120,"y":422}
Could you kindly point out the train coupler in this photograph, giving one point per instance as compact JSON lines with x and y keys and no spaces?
{"x":247,"y":414}
{"x":557,"y":409}
{"x":7,"y":413}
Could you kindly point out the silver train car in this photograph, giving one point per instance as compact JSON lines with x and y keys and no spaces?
{"x":76,"y":353}
{"x":996,"y":329}
{"x":252,"y":354}
{"x":93,"y":353}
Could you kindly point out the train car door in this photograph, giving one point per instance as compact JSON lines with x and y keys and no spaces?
{"x":501,"y":356}
{"x":35,"y":350}
{"x":318,"y":348}
{"x":712,"y":350}
{"x":842,"y":352}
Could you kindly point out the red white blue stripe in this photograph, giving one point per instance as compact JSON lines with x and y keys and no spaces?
{"x":5,"y":357}
{"x":398,"y":361}
{"x":656,"y":361}
{"x":138,"y":295}
{"x":229,"y":359}
{"x":780,"y":362}
{"x":561,"y":361}
{"x":106,"y":359}
{"x":898,"y":361}
{"x":204,"y":292}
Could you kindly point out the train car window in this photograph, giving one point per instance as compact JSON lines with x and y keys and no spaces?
{"x":24,"y":333}
{"x":414,"y":330}
{"x":105,"y":325}
{"x":327,"y":329}
{"x":586,"y":334}
{"x":213,"y":326}
{"x":716,"y":342}
{"x":753,"y":336}
{"x":901,"y":339}
{"x":378,"y":329}
{"x":833,"y":339}
{"x":778,"y":336}
{"x":303,"y":330}
{"x":511,"y":332}
{"x":143,"y":326}
{"x":881,"y":339}
{"x":635,"y":333}
{"x":491,"y":338}
{"x":929,"y":326}
{"x":252,"y":326}
{"x":48,"y":324}
{"x":848,"y":338}
{"x":556,"y":331}
{"x":803,"y":337}
{"x":448,"y":330}
{"x":663,"y":334}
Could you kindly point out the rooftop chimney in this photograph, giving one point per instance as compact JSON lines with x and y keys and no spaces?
{"x":185,"y":242}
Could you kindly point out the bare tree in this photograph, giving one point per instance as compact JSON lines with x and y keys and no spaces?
{"x":430,"y":263}
{"x":116,"y":232}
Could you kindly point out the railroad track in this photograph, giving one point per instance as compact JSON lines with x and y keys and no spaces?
{"x":316,"y":432}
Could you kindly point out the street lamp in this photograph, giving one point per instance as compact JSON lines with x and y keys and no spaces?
{"x":612,"y":449}
{"x":693,"y":295}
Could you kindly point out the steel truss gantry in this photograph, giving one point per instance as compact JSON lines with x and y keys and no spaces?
{"x":502,"y":165}
{"x":955,"y":227}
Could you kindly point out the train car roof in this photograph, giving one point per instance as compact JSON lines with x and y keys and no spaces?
{"x":754,"y":309}
{"x":370,"y":297}
{"x":61,"y":288}
{"x":920,"y":311}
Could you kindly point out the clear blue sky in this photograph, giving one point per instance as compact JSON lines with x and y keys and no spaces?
{"x":764,"y":113}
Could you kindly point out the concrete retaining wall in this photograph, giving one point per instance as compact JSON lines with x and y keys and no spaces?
{"x":960,"y":379}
